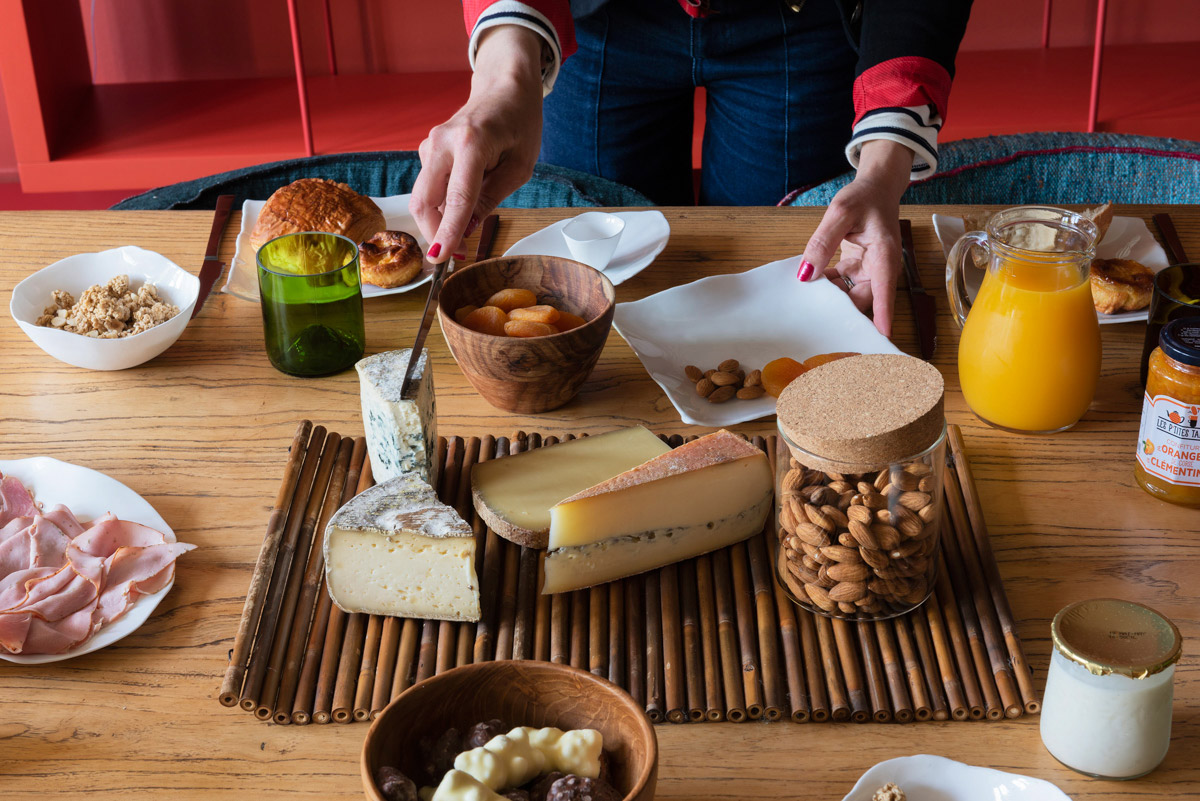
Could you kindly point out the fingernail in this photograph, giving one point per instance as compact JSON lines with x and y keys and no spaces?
{"x":434,"y":250}
{"x":460,"y":256}
{"x":806,"y":270}
{"x":472,"y":224}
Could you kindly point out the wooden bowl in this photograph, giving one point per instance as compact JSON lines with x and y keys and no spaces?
{"x":535,"y":374}
{"x":520,"y":693}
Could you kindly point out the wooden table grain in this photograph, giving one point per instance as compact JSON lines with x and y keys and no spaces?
{"x":201,"y":433}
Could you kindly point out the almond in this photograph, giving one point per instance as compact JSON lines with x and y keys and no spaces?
{"x":839,"y":518}
{"x":820,"y":597}
{"x":862,"y":533}
{"x":709,"y":373}
{"x":813,"y":535}
{"x":840,"y":553}
{"x":915,"y":500}
{"x":926,"y":484}
{"x":882,"y":479}
{"x":865,"y":488}
{"x":723,"y":379}
{"x":848,"y":591}
{"x":750,"y":393}
{"x":693,"y":373}
{"x":705,"y":387}
{"x":887,"y":536}
{"x":721,"y":394}
{"x":905,"y":481}
{"x":927,"y":513}
{"x":728,"y":366}
{"x":876,"y":559}
{"x":754,"y":378}
{"x":819,"y":518}
{"x":792,"y":480}
{"x":918,"y":469}
{"x":847,"y":539}
{"x":847,"y":608}
{"x":848,"y":571}
{"x":860,"y":513}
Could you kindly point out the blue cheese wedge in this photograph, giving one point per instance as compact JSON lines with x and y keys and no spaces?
{"x":401,"y":432}
{"x":395,"y":549}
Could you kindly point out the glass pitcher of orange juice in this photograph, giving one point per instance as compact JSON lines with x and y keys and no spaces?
{"x":1029,"y":355}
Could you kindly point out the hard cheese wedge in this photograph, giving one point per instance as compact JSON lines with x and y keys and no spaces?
{"x":395,"y":549}
{"x":703,"y":495}
{"x":400,"y":431}
{"x":514,"y":494}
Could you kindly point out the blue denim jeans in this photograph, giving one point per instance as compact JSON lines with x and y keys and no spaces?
{"x":779,"y":108}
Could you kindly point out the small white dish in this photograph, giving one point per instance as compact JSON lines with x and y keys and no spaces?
{"x":88,"y":494}
{"x":934,"y":778}
{"x":1126,"y":238}
{"x":592,"y":237}
{"x":645,"y":235}
{"x":242,"y":279}
{"x":75,"y":274}
{"x":754,"y":317}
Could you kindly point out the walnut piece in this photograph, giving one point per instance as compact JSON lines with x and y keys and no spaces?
{"x":579,"y":788}
{"x":111,"y":311}
{"x":889,"y":792}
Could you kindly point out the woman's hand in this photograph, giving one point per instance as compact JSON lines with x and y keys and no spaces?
{"x":864,"y":218}
{"x":488,"y":148}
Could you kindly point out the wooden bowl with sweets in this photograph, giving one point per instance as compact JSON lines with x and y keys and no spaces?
{"x":431,"y":729}
{"x":526,"y":330}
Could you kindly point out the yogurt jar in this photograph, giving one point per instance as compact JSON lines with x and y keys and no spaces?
{"x":1107,"y":707}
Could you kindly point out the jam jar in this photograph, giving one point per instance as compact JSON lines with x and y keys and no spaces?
{"x":859,"y":486}
{"x":1168,"y":448}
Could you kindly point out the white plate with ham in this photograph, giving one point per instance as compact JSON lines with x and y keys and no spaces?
{"x":93,"y":556}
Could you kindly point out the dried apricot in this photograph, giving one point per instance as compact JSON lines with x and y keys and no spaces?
{"x":826,"y":358}
{"x":463,"y":311}
{"x":538,"y":314}
{"x":512,"y":298}
{"x":780,"y":372}
{"x":487,"y":320}
{"x":567,"y":321}
{"x":528,"y":328}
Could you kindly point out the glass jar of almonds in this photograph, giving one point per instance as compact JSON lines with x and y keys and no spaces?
{"x":858,"y":486}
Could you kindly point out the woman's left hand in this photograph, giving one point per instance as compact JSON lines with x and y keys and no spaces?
{"x":864,"y":218}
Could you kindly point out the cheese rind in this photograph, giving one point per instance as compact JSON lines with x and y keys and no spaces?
{"x":704,"y":495}
{"x":514,"y":494}
{"x":395,"y":549}
{"x":401,"y":432}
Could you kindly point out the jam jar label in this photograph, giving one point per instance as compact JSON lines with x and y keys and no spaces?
{"x":1169,"y":440}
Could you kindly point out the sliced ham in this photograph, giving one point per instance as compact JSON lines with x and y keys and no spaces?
{"x":61,"y":580}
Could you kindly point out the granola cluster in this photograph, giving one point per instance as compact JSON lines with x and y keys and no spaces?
{"x":110,"y":311}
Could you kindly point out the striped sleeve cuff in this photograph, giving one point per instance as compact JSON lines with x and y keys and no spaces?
{"x":511,"y":12}
{"x":915,"y":127}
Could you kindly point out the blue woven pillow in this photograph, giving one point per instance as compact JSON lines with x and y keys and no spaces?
{"x":379,"y":175}
{"x":1048,"y":168}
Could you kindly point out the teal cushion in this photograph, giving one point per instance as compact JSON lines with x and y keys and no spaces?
{"x":379,"y":175}
{"x":1048,"y":168}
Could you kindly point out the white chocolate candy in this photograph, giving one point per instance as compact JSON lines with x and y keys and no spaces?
{"x":512,"y":759}
{"x":459,"y":786}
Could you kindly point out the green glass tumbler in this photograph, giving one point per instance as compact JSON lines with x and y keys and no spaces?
{"x":312,"y":307}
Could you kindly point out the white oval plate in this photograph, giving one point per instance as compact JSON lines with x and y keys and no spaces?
{"x":243,"y":272}
{"x":1126,"y":238}
{"x":934,"y":778}
{"x":88,"y":494}
{"x":646,"y":234}
{"x":754,"y":317}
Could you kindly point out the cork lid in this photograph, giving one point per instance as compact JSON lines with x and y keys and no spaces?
{"x":862,"y":412}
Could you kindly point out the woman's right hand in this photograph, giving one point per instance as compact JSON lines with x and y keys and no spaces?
{"x":488,"y":148}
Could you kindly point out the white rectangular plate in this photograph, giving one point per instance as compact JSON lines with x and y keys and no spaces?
{"x":754,"y":317}
{"x":934,"y":778}
{"x":1126,"y":238}
{"x":243,"y":272}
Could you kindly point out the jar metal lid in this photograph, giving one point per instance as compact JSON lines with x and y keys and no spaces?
{"x":1180,"y":339}
{"x":1108,"y":635}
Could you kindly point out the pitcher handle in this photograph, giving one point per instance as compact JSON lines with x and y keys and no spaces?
{"x":956,"y":262}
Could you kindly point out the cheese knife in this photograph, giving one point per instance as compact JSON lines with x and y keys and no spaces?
{"x":210,"y":269}
{"x":923,"y":305}
{"x":435,"y":289}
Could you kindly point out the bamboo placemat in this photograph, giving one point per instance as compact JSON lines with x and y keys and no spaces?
{"x":709,"y":639}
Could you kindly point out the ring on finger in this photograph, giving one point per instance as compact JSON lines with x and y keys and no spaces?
{"x":848,"y":281}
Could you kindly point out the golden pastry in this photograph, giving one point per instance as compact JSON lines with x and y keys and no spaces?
{"x":390,"y":259}
{"x":1120,"y":285}
{"x":317,"y":204}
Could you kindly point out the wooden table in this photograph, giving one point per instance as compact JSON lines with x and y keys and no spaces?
{"x":201,"y":431}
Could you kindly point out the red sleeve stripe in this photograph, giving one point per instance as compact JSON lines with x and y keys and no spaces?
{"x":905,"y":82}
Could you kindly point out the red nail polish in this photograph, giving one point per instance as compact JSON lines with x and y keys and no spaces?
{"x":472,"y":224}
{"x":460,"y":256}
{"x":435,"y":249}
{"x":806,"y":270}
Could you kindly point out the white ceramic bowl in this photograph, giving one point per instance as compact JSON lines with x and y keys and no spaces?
{"x":592,"y":237}
{"x":77,"y":273}
{"x":934,"y":778}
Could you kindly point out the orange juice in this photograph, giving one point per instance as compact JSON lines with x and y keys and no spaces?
{"x":1029,"y":356}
